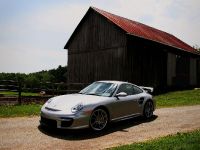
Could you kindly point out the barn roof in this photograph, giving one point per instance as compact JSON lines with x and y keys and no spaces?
{"x":143,"y":31}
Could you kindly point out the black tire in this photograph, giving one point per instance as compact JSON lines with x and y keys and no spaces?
{"x":148,"y":109}
{"x":98,"y":119}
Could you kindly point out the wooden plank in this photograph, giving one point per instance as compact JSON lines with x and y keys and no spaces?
{"x":96,"y":52}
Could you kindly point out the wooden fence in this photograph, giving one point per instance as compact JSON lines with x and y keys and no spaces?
{"x":52,"y":89}
{"x":11,"y":86}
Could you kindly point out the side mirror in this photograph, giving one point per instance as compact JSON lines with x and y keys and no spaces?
{"x":121,"y":94}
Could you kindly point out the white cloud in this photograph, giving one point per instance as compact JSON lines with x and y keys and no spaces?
{"x":34,"y":40}
{"x":31,"y":60}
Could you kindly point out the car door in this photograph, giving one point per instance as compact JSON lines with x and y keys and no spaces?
{"x":128,"y":105}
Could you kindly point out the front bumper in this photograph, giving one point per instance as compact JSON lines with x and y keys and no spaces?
{"x":64,"y":121}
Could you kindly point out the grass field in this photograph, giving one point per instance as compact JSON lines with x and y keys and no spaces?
{"x":22,"y":94}
{"x":178,"y":98}
{"x":20,"y":110}
{"x":171,"y":99}
{"x":180,"y":141}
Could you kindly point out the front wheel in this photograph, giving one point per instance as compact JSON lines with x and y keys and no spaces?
{"x":148,"y":109}
{"x":98,"y":119}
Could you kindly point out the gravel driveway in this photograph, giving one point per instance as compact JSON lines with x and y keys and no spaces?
{"x":25,"y":133}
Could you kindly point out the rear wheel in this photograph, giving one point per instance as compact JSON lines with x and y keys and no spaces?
{"x":148,"y":109}
{"x":98,"y":119}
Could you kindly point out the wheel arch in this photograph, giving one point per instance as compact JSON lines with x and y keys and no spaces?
{"x":104,"y":108}
{"x":151,"y":100}
{"x":148,"y":114}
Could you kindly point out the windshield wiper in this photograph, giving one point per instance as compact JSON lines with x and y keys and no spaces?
{"x":92,"y":94}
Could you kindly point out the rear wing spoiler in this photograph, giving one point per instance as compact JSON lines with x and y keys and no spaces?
{"x":147,"y":89}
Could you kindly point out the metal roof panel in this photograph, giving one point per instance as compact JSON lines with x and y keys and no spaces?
{"x":147,"y":32}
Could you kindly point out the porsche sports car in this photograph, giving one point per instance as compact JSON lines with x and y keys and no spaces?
{"x":98,"y":104}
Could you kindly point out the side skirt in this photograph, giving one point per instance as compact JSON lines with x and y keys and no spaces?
{"x":125,"y":117}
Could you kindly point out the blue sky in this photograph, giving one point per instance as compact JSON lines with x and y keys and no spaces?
{"x":33,"y":33}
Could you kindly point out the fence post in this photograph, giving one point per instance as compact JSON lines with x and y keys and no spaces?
{"x":53,"y":89}
{"x":19,"y":93}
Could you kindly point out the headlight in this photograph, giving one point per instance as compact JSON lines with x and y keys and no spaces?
{"x":77,"y":108}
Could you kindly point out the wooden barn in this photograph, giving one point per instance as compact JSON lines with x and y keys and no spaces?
{"x":105,"y":46}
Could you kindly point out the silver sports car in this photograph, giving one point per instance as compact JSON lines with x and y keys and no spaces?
{"x":98,"y":104}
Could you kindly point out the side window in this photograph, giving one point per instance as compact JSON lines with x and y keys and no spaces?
{"x":127,"y":88}
{"x":137,"y":90}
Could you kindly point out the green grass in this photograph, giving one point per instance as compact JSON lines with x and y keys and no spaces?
{"x":179,"y":98}
{"x":180,"y":141}
{"x":16,"y":94}
{"x":19,"y":110}
{"x":171,"y":99}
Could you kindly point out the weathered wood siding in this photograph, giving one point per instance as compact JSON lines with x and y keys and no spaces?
{"x":182,"y":71}
{"x":147,"y":63}
{"x":198,"y":72}
{"x":99,"y":50}
{"x":171,"y":68}
{"x":96,"y":51}
{"x":193,"y":71}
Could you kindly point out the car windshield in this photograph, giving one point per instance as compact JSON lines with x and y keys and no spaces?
{"x":99,"y":89}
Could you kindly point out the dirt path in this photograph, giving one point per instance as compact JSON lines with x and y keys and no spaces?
{"x":24,"y":133}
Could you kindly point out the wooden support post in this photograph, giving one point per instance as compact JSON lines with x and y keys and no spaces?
{"x":19,"y":93}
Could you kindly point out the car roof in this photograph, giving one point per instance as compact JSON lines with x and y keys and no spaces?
{"x":112,"y":81}
{"x":119,"y":83}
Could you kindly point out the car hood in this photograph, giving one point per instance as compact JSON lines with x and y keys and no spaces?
{"x":66,"y":102}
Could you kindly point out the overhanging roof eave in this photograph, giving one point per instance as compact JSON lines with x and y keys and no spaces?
{"x":195,"y":53}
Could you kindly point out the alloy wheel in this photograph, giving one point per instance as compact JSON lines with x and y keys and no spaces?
{"x":148,"y":109}
{"x":98,"y":119}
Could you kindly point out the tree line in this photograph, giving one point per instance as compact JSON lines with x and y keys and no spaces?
{"x":41,"y":79}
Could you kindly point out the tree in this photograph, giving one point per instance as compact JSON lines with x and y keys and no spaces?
{"x":32,"y":82}
{"x":196,"y":47}
{"x":38,"y":79}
